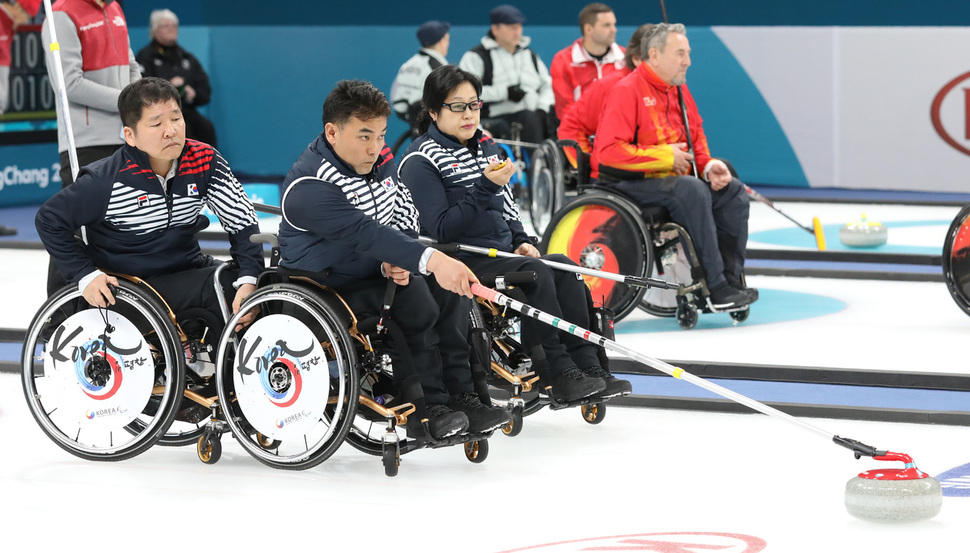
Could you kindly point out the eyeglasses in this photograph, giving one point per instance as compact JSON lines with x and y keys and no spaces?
{"x":459,"y":107}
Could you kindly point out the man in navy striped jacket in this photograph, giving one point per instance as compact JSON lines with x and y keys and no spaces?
{"x":347,"y":218}
{"x":139,"y":211}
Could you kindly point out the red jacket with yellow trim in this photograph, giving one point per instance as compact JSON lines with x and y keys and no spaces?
{"x":640,"y":120}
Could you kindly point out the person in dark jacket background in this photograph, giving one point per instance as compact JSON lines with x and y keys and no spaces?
{"x":140,"y":211}
{"x":164,"y":58}
{"x":347,"y":218}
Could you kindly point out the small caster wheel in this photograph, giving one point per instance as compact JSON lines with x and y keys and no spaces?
{"x":594,"y":413}
{"x":515,"y":424}
{"x":266,"y":442}
{"x":392,"y":461}
{"x":741,"y":316}
{"x":686,"y":315}
{"x":209,"y":449}
{"x":477,"y":451}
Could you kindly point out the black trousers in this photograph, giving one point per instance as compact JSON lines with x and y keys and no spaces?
{"x":561,"y":294}
{"x":716,"y":221}
{"x":533,"y":125}
{"x":435,"y":326}
{"x":194,"y":288}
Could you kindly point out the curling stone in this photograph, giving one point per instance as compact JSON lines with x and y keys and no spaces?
{"x":863,"y":233}
{"x":894,"y":495}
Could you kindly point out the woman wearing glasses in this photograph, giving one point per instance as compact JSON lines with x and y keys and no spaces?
{"x":459,"y":186}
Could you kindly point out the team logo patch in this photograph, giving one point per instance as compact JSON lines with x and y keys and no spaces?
{"x":492,"y":159}
{"x":143,"y":201}
{"x":193,"y":190}
{"x":649,"y":101}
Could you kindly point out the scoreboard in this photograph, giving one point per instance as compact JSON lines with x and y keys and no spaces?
{"x":31,"y":95}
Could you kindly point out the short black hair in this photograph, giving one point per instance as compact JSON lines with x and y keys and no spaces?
{"x":438,"y":86}
{"x":588,"y":15}
{"x":354,"y":98}
{"x":142,"y":93}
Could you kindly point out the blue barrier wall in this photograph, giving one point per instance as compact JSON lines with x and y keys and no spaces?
{"x":560,"y":12}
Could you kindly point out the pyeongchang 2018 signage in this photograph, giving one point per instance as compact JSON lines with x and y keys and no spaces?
{"x":950,"y":113}
{"x":28,"y":174}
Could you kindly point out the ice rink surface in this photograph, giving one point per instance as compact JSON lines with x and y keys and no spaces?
{"x":643,"y":480}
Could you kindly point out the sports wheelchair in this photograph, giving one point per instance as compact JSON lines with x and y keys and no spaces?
{"x":606,"y":230}
{"x":308,"y":375}
{"x":107,"y":384}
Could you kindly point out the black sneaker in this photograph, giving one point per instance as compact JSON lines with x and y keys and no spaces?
{"x":752,"y":293}
{"x":443,"y":422}
{"x":614,"y":385}
{"x":727,"y":297}
{"x":572,"y":384}
{"x":481,"y":418}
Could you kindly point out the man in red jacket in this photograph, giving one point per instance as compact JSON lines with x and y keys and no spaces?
{"x":642,"y":146}
{"x":595,"y":55}
{"x":581,"y":117}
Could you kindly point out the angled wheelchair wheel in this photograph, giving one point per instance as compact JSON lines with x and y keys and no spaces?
{"x":546,"y":185}
{"x":956,"y":259}
{"x":200,"y":330}
{"x":603,"y":231}
{"x":369,"y":432}
{"x":103,"y":384}
{"x":658,"y":301}
{"x":289,"y":378}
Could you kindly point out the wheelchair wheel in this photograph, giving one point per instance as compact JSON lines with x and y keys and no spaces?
{"x":603,"y":231}
{"x":658,"y":301}
{"x":103,"y":384}
{"x":546,"y":187}
{"x":200,"y":349}
{"x":369,"y":432}
{"x":289,"y":378}
{"x":956,"y":259}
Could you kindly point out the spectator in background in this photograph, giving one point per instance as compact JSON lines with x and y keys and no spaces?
{"x":516,"y":86}
{"x":592,"y":56}
{"x":581,"y":117}
{"x":409,"y":84}
{"x":96,"y":64}
{"x":12,"y":15}
{"x":164,"y":58}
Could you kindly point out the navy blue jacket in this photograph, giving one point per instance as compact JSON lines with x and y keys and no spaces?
{"x":456,"y":202}
{"x":134,"y":226}
{"x":345,"y":224}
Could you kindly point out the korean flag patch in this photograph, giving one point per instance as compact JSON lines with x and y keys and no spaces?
{"x":388,"y":183}
{"x":193,"y":190}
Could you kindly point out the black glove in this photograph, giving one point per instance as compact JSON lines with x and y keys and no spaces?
{"x":516,"y":93}
{"x":549,"y":121}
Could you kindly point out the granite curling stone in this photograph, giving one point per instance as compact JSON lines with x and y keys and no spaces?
{"x":894,"y":495}
{"x":864,"y":233}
